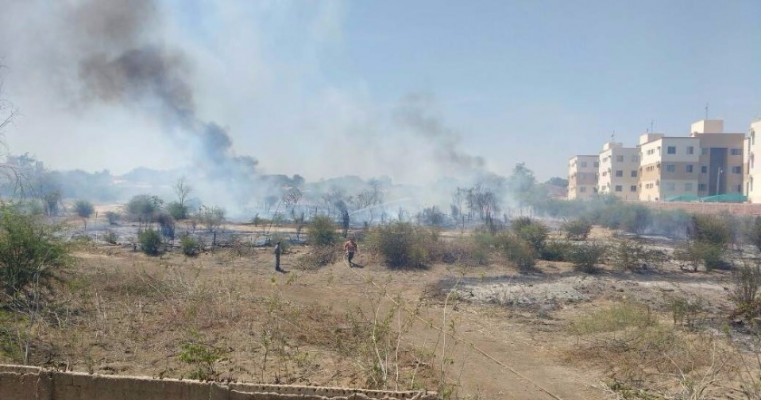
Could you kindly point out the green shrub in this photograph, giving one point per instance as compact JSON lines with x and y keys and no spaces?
{"x":555,"y":250}
{"x":630,"y":255}
{"x":401,"y":244}
{"x":202,"y":358}
{"x":577,"y":229}
{"x":112,"y":217}
{"x":150,"y":241}
{"x":516,"y":250}
{"x":177,"y":211}
{"x":711,"y":229}
{"x":191,"y":246}
{"x":698,"y":253}
{"x":532,"y":232}
{"x":322,"y":231}
{"x":30,"y":251}
{"x":586,"y":256}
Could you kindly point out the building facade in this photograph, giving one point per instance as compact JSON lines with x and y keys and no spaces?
{"x":721,"y":159}
{"x":668,"y":168}
{"x":619,"y":171}
{"x":582,"y":176}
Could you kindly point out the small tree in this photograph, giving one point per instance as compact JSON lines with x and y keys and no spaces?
{"x":577,"y":229}
{"x":322,"y":231}
{"x":84,"y":210}
{"x":150,"y":242}
{"x":30,"y":252}
{"x":210,"y":218}
{"x":112,"y":217}
{"x":143,"y":208}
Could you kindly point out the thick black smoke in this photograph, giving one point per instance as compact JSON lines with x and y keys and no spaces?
{"x":414,"y":114}
{"x":130,"y":69}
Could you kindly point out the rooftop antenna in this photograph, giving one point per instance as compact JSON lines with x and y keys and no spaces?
{"x":652,"y":122}
{"x":613,"y":137}
{"x":706,"y":110}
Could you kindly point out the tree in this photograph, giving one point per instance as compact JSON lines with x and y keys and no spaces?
{"x":178,"y":209}
{"x":31,"y":252}
{"x":143,"y":208}
{"x":322,"y":231}
{"x":211,"y":218}
{"x":84,"y":210}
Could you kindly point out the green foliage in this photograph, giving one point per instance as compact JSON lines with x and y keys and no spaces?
{"x":322,"y":231}
{"x":190,"y":245}
{"x":201,"y":357}
{"x":150,"y":241}
{"x":532,"y":232}
{"x":210,"y":218}
{"x":555,"y":250}
{"x":143,"y":208}
{"x":630,"y":255}
{"x":401,"y":244}
{"x":577,"y":229}
{"x":687,"y":312}
{"x":698,"y":253}
{"x":586,"y":256}
{"x":177,"y":211}
{"x":112,"y":217}
{"x":30,"y":252}
{"x":83,"y":208}
{"x":710,"y":229}
{"x":747,"y":282}
{"x":431,"y":216}
{"x":516,"y":250}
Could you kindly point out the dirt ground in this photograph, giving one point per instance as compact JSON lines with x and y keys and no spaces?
{"x":486,"y":332}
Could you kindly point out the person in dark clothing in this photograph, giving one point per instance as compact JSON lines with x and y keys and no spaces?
{"x":278,"y":251}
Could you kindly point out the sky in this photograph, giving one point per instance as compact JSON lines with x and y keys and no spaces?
{"x":412,"y":90}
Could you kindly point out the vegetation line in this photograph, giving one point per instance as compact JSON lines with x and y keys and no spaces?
{"x":471,"y":344}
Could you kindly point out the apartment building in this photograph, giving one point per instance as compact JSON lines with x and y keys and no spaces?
{"x":753,"y":174}
{"x":619,"y":171}
{"x":582,"y":176}
{"x":669,"y":167}
{"x":707,"y":163}
{"x":721,"y":159}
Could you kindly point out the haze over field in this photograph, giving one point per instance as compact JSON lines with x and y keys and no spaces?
{"x":414,"y":91}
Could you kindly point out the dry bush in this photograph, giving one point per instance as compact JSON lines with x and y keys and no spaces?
{"x":317,"y":257}
{"x":644,"y":356}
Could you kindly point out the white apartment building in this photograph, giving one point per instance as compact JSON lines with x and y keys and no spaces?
{"x":669,"y":167}
{"x":582,"y":176}
{"x":753,"y":168}
{"x":619,"y":171}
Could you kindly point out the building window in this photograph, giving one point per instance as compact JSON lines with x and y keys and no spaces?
{"x":583,"y":164}
{"x":582,"y":189}
{"x":701,"y":187}
{"x":736,"y":152}
{"x":688,"y":187}
{"x":690,"y":150}
{"x":619,"y":174}
{"x":633,"y":188}
{"x":703,"y":151}
{"x":635,"y":158}
{"x":671,"y":150}
{"x":619,"y":188}
{"x":688,"y":168}
{"x":634,"y":174}
{"x":670,"y":168}
{"x":703,"y":169}
{"x":619,"y":158}
{"x":596,"y":164}
{"x":737,"y":170}
{"x":739,"y":188}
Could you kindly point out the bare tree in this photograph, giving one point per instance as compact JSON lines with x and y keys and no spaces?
{"x":182,"y":190}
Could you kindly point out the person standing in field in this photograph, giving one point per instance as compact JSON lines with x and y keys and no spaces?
{"x":278,"y":251}
{"x":350,"y":247}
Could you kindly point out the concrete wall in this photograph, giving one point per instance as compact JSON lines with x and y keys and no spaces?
{"x":32,"y":383}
